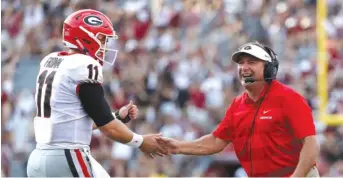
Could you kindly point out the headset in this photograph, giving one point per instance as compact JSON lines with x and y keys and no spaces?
{"x":270,"y":68}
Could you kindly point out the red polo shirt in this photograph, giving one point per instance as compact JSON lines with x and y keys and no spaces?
{"x":273,"y":146}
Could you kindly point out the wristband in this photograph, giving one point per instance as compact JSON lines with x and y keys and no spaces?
{"x":136,"y":141}
{"x":125,"y":120}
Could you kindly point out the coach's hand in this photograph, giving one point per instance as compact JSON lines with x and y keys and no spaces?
{"x":130,"y":110}
{"x":151,"y":147}
{"x":173,"y":146}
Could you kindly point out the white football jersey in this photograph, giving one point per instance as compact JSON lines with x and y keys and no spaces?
{"x":61,"y":121}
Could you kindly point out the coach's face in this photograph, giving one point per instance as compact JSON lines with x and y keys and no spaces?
{"x":249,"y":66}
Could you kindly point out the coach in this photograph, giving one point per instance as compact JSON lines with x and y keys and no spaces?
{"x":270,"y":125}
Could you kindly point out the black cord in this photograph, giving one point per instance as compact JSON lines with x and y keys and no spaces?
{"x":253,"y":126}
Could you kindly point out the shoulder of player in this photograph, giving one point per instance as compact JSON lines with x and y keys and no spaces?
{"x":82,"y":68}
{"x":70,"y":62}
{"x":80,"y":60}
{"x":53,"y":54}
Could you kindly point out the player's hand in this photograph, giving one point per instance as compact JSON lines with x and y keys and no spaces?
{"x":151,"y":147}
{"x":173,"y":146}
{"x":130,"y":110}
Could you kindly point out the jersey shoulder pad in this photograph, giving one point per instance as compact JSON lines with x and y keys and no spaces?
{"x":84,"y":69}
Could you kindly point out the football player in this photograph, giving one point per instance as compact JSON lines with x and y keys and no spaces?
{"x":70,"y":98}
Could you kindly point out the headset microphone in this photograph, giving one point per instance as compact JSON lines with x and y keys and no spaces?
{"x":249,"y":80}
{"x":252,"y":79}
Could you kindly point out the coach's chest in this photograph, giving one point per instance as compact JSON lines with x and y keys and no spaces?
{"x":265,"y":118}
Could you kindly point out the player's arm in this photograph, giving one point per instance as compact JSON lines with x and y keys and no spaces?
{"x":117,"y":116}
{"x":92,"y":99}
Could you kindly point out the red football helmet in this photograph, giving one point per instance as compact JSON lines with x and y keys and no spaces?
{"x":91,"y":32}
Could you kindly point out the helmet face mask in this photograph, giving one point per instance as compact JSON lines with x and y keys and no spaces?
{"x":106,"y":51}
{"x":91,"y":32}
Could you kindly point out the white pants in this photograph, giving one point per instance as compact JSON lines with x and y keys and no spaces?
{"x":64,"y":163}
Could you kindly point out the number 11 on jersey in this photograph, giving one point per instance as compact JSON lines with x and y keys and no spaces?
{"x":44,"y":79}
{"x":90,"y":72}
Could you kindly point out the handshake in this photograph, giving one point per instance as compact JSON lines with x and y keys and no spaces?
{"x":155,"y":144}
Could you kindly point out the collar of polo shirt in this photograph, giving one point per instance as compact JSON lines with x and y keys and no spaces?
{"x":266,"y":88}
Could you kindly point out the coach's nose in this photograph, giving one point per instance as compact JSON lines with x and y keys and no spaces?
{"x":244,"y":66}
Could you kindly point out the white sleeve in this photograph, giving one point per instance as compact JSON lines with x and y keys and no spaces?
{"x":86,"y":71}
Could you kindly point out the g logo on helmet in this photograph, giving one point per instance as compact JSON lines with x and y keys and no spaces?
{"x":93,"y":20}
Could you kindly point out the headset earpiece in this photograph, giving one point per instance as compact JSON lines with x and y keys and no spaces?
{"x":270,"y":68}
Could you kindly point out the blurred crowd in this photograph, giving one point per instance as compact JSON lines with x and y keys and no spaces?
{"x":174,"y":63}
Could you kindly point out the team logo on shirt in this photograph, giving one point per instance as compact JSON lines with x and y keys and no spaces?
{"x":266,"y":111}
{"x":266,"y":117}
{"x":93,"y":20}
